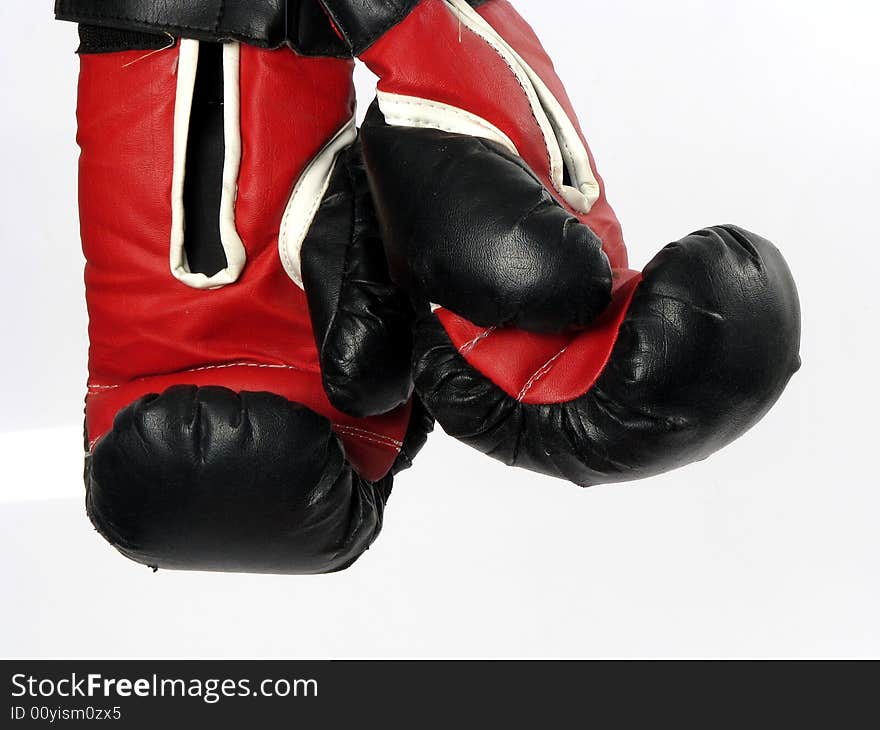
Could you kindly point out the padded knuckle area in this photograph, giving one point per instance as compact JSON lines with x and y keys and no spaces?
{"x":373,"y":382}
{"x":708,"y":346}
{"x":721,"y":308}
{"x":208,"y":479}
{"x":703,"y":349}
{"x":468,"y":225}
{"x":546,"y":273}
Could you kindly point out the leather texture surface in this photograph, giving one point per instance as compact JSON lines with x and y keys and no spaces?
{"x":431,"y":56}
{"x":545,"y":270}
{"x":261,"y":23}
{"x":359,"y":22}
{"x":543,"y":367}
{"x":145,"y":325}
{"x":543,"y":353}
{"x":363,"y":322}
{"x":709,"y":341}
{"x":213,"y":444}
{"x":301,"y":24}
{"x":207,"y":479}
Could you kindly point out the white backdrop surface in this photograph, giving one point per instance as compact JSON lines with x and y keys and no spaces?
{"x":760,"y":112}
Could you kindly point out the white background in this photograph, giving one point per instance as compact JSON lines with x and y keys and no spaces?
{"x":762,"y":112}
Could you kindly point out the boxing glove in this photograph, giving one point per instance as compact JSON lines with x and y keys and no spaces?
{"x":536,"y":343}
{"x":249,"y":366}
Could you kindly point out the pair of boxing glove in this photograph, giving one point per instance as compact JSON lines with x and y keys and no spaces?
{"x":279,"y":308}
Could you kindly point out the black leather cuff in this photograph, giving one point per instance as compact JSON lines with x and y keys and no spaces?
{"x":363,"y":23}
{"x":266,"y":23}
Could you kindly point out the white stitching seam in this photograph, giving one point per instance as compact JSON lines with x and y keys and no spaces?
{"x":376,"y":438}
{"x":265,"y":366}
{"x":349,"y":427}
{"x":540,"y":373}
{"x":380,"y":440}
{"x":353,"y":431}
{"x":469,"y":346}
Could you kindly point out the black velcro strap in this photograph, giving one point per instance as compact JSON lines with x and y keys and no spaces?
{"x":302,"y":24}
{"x":258,"y":22}
{"x":94,"y":39}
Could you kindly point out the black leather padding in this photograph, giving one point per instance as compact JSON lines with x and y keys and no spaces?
{"x":264,"y":23}
{"x":260,"y":23}
{"x":708,"y":345}
{"x":468,"y":225}
{"x":309,"y":30}
{"x":363,"y":22}
{"x":362,"y":321}
{"x":421,"y":424}
{"x":206,"y":479}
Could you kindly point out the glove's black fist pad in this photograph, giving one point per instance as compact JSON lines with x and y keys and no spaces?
{"x":689,"y":356}
{"x":500,"y":254}
{"x":207,"y":479}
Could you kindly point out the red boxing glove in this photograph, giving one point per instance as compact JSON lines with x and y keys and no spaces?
{"x":249,"y":392}
{"x":543,"y":349}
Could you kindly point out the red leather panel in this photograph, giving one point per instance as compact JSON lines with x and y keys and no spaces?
{"x":544,"y":368}
{"x":432,"y":56}
{"x":512,"y":28}
{"x":149,"y":331}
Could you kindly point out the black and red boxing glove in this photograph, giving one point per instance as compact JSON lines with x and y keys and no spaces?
{"x":249,"y":391}
{"x":544,"y":349}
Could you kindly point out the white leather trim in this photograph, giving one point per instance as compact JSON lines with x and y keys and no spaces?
{"x":233,"y":247}
{"x":581,"y":196}
{"x":306,"y":198}
{"x":564,"y":145}
{"x":410,"y":111}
